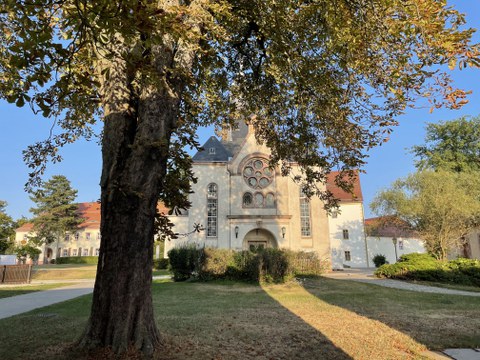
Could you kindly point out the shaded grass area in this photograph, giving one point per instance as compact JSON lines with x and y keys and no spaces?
{"x":161,"y":272}
{"x":8,"y":291}
{"x":319,"y":319}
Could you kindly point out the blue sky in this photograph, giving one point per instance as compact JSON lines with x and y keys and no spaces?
{"x":82,"y":160}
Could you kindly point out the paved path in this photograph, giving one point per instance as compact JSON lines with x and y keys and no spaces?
{"x":366,"y":276}
{"x":22,"y":303}
{"x":19,"y":304}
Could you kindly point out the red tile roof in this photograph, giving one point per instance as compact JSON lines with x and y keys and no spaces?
{"x":341,"y":194}
{"x":388,"y":226}
{"x":27,"y":227}
{"x":90,"y":211}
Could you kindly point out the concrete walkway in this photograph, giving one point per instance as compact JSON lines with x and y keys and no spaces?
{"x":366,"y":276}
{"x":19,"y":304}
{"x":15,"y":305}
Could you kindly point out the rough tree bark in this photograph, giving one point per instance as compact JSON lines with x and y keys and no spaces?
{"x":137,"y":131}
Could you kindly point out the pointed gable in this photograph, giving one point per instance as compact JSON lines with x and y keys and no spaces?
{"x":212,"y":151}
{"x":341,"y":194}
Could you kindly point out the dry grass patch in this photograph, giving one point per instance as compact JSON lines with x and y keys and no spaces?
{"x":321,"y":319}
{"x":65,"y":273}
{"x":358,"y":336}
{"x":436,"y":320}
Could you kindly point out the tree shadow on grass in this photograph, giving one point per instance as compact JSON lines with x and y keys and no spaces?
{"x":198,"y":320}
{"x":435,"y":320}
{"x":234,"y":321}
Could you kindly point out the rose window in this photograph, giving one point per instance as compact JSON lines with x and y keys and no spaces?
{"x":257,"y":173}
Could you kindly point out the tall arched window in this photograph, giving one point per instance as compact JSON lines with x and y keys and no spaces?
{"x":212,"y":210}
{"x":304,"y":214}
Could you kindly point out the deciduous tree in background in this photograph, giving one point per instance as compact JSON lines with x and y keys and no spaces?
{"x":325,"y":80}
{"x":442,"y":206}
{"x":7,"y":229}
{"x":451,"y":145}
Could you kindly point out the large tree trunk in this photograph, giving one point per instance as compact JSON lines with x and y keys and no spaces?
{"x":135,"y":145}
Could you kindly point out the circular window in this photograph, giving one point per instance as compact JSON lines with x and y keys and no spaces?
{"x":257,"y":173}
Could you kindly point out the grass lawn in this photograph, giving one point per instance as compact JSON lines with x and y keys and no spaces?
{"x":317,"y":319}
{"x":63,"y":272}
{"x":161,"y":272}
{"x":7,"y":291}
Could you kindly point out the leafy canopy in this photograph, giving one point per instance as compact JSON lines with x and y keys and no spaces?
{"x":7,"y":229}
{"x":442,"y":206}
{"x":325,"y":78}
{"x":451,"y":145}
{"x":55,"y":213}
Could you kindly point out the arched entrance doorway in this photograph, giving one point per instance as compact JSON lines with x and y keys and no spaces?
{"x":259,"y":239}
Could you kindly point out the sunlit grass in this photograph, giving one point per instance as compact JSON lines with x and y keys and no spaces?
{"x":358,"y":336}
{"x":318,"y":319}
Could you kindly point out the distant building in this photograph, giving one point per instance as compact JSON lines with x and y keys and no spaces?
{"x":83,"y":242}
{"x":391,"y":237}
{"x":245,"y":205}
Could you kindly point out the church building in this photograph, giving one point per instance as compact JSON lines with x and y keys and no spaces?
{"x":243,"y":204}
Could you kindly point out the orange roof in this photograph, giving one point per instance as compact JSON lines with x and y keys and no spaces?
{"x":27,"y":227}
{"x":388,"y":226}
{"x":90,"y":211}
{"x":341,"y":194}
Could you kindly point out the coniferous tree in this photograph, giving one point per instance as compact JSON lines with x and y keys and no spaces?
{"x":55,"y":212}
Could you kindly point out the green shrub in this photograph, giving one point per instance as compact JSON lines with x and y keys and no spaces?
{"x":160,"y":264}
{"x":183,"y":261}
{"x":268,"y":265}
{"x":425,"y":267}
{"x":214,"y":263}
{"x":419,"y":258}
{"x":93,"y":260}
{"x":307,"y":264}
{"x":379,"y":260}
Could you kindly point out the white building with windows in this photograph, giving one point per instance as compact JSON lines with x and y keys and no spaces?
{"x":244,"y":204}
{"x":83,"y":242}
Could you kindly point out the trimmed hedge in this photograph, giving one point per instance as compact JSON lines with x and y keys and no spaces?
{"x":77,"y":260}
{"x":425,"y":267}
{"x":268,"y":265}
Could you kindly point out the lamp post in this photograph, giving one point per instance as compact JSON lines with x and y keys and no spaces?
{"x":236,"y":232}
{"x":394,"y":240}
{"x":284,"y":231}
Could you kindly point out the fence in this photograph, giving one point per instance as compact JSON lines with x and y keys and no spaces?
{"x":11,"y":274}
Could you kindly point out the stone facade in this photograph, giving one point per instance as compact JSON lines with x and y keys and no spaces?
{"x":244,"y":205}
